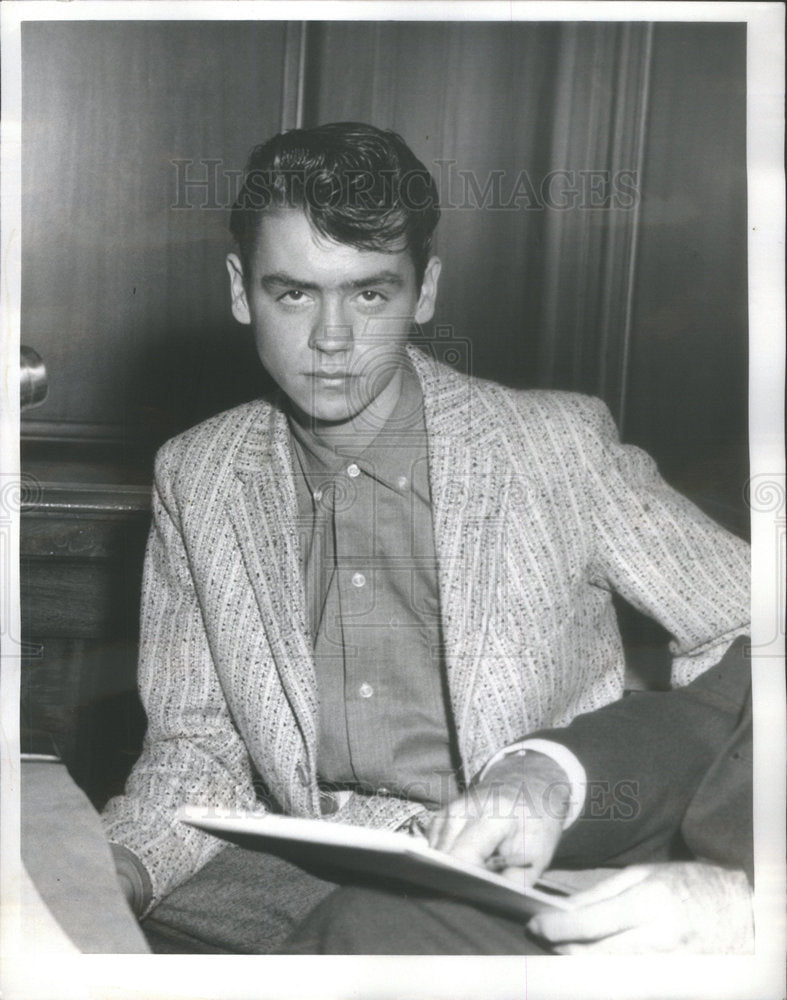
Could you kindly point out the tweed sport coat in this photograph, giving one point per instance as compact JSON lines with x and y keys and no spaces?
{"x":539,"y":513}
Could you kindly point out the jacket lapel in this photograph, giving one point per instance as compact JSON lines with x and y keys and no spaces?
{"x":472,"y":482}
{"x":263,"y":512}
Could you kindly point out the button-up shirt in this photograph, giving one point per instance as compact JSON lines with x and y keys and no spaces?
{"x":370,"y":576}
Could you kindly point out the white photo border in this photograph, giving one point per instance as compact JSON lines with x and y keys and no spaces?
{"x":760,"y":977}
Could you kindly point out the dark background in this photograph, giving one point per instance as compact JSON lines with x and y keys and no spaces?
{"x":642,"y":302}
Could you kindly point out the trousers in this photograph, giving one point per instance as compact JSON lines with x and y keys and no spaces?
{"x":357,"y":920}
{"x":242,"y":902}
{"x":248,"y":902}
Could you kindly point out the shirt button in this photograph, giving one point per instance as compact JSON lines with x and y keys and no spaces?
{"x":383,"y":791}
{"x":358,"y":579}
{"x":366,"y":690}
{"x":402,"y":482}
{"x":353,"y":471}
{"x":317,"y":496}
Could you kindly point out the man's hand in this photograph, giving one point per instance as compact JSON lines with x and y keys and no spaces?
{"x":688,"y":906}
{"x":512,"y":820}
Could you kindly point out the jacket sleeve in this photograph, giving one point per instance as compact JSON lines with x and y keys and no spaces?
{"x":660,"y":552}
{"x":646,"y":756}
{"x":192,"y":752}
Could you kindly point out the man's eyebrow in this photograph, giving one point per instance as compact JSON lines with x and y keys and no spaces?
{"x":380,"y":278}
{"x":279,"y":279}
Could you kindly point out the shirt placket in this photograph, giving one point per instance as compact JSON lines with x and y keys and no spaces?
{"x":364,"y":676}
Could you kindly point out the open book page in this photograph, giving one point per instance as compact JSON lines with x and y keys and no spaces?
{"x":385,"y":853}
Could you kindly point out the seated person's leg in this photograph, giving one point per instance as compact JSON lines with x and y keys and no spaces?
{"x":241,"y":902}
{"x":361,"y":921}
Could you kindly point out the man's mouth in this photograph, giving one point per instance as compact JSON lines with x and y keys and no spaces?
{"x":331,"y":374}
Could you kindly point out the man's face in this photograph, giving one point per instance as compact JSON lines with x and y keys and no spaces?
{"x":330,"y":321}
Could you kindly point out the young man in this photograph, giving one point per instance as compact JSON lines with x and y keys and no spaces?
{"x":361,"y":595}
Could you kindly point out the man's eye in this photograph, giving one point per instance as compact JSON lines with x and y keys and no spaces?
{"x":293,"y":295}
{"x":371,"y":296}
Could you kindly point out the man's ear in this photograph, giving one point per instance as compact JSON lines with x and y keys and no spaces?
{"x":426,"y":301}
{"x":240,"y":305}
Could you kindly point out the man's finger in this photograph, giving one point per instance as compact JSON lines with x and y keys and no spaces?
{"x":479,"y":838}
{"x":586,"y":924}
{"x":624,"y":943}
{"x":648,"y":939}
{"x":595,"y":921}
{"x":521,"y":877}
{"x":447,"y":825}
{"x":612,"y":886}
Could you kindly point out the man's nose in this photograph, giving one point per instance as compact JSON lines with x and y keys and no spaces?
{"x":331,"y":331}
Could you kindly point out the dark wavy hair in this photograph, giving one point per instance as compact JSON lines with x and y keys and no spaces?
{"x":357,"y":184}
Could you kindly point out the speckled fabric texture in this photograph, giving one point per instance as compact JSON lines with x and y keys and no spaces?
{"x":538,"y":513}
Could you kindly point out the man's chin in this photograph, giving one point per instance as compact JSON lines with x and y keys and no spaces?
{"x":327,"y":416}
{"x":329,"y":419}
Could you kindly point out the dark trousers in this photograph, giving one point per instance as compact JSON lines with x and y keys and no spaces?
{"x":243,"y":902}
{"x":371,"y":921}
{"x":252,"y":903}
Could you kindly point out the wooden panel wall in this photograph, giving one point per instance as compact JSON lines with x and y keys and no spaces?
{"x":124,"y":293}
{"x":82,"y":550}
{"x":688,"y":368}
